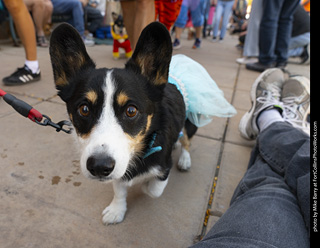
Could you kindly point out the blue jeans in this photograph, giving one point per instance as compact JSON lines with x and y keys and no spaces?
{"x":70,"y":7}
{"x":297,"y":44}
{"x":197,"y":16}
{"x":275,"y":30}
{"x":224,"y":8}
{"x":271,"y":205}
{"x":94,"y":18}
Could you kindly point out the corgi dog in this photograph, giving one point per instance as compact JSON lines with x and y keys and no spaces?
{"x":127,"y":120}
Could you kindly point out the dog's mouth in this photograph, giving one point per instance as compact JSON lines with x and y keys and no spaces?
{"x":102,"y":179}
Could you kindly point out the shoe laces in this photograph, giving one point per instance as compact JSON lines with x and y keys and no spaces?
{"x":271,"y":95}
{"x":291,"y":114}
{"x":21,"y":71}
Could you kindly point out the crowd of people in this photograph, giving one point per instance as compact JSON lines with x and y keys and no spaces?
{"x":275,"y":31}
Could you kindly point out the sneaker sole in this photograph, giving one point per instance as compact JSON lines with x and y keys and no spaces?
{"x":244,"y":122}
{"x":244,"y":61}
{"x":8,"y":83}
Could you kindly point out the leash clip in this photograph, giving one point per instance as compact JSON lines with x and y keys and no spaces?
{"x":58,"y":126}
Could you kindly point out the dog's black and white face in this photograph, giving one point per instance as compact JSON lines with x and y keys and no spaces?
{"x":112,"y":110}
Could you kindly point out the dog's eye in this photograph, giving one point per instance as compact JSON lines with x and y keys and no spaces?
{"x":84,"y":110}
{"x":131,"y":111}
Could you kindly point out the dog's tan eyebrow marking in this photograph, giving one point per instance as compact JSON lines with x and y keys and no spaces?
{"x":92,"y":96}
{"x":137,"y":144}
{"x":149,"y":122}
{"x":122,"y":98}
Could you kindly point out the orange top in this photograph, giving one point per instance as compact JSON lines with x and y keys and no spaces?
{"x":306,"y":5}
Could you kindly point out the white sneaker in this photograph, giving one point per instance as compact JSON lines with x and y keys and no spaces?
{"x":296,"y":99}
{"x":88,"y":42}
{"x":265,"y":94}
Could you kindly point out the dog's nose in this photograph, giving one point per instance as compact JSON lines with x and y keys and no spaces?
{"x":101,"y":165}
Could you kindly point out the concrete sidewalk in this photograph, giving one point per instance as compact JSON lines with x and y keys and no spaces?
{"x":45,"y":201}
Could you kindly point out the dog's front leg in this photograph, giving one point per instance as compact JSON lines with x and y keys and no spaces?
{"x":115,"y":212}
{"x":154,"y":187}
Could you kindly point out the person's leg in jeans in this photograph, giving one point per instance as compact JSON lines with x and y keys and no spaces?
{"x":197,"y":18}
{"x":268,"y":30}
{"x":179,"y":25}
{"x":284,"y":31}
{"x":297,"y":44}
{"x":274,"y":34}
{"x":217,"y":17}
{"x":73,"y":7}
{"x":94,"y":17}
{"x":269,"y":207}
{"x":263,"y":212}
{"x":226,"y":16}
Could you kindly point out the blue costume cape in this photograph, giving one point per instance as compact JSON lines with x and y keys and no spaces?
{"x":202,"y":96}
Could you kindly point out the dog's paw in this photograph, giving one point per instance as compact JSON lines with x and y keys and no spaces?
{"x":113,"y":214}
{"x":184,"y":163}
{"x":154,"y":188}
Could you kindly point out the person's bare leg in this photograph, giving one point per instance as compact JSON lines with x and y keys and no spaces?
{"x":128,"y":9}
{"x":137,"y":15}
{"x":198,"y":32}
{"x":178,"y":32}
{"x":37,"y":9}
{"x":48,"y":12}
{"x":145,"y":13}
{"x":30,"y":72}
{"x":24,"y":26}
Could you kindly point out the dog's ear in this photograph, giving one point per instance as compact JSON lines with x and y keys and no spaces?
{"x":68,"y":57}
{"x":152,"y":54}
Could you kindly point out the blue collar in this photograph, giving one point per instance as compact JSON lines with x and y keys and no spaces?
{"x":151,"y":149}
{"x":155,"y":149}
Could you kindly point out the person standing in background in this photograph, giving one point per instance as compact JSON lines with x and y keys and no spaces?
{"x":197,"y":16}
{"x":41,"y":13}
{"x":30,"y":72}
{"x":137,"y":14}
{"x":299,"y":45}
{"x":274,"y":34}
{"x":74,"y":8}
{"x":224,"y":9}
{"x":167,"y":11}
{"x":251,"y":43}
